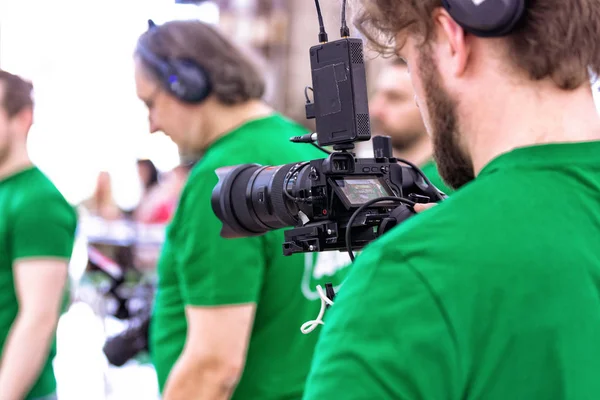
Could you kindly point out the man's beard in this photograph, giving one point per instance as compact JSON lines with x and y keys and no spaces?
{"x":454,"y":166}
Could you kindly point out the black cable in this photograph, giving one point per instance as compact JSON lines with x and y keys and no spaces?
{"x":296,"y":169}
{"x":361,"y":208}
{"x":322,"y":33}
{"x":308,"y":138}
{"x":344,"y":30}
{"x":422,"y":174}
{"x":306,"y":89}
{"x":324,"y":150}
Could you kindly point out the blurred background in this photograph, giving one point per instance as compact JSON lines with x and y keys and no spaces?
{"x":91,"y":138}
{"x":79,"y":56}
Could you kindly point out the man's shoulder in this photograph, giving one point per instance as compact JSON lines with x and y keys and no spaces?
{"x":264,"y":132}
{"x":473,"y":217}
{"x":447,"y":248}
{"x":36,"y":189}
{"x":277,"y":122}
{"x":263,"y":141}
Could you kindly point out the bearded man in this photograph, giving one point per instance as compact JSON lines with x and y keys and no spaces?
{"x":494,"y":293}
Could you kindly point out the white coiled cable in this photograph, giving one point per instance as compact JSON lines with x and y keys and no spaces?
{"x":310,"y":326}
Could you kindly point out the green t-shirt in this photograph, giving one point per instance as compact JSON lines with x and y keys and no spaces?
{"x":199,"y":268}
{"x":493,"y":294}
{"x":431,"y":172}
{"x":36,"y":221}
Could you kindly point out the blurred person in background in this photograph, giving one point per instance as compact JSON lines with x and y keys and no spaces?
{"x":159,"y":199}
{"x":157,"y":207}
{"x":228,"y":312}
{"x":97,"y":214}
{"x":37,"y":233}
{"x":102,"y":203}
{"x":394,"y":113}
{"x":148,"y":173}
{"x":494,"y":292}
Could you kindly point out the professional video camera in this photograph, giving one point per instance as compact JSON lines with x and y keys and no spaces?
{"x":337,"y":203}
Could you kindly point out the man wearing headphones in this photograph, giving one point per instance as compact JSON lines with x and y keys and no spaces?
{"x":494,"y":293}
{"x":223,"y":306}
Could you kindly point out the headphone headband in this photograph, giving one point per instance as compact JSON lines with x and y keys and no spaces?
{"x":486,"y":18}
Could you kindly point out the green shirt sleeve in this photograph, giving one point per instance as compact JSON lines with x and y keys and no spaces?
{"x":43,"y":226}
{"x":382,"y":340}
{"x":213,"y":271}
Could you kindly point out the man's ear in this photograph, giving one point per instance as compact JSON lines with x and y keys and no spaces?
{"x":23,"y":120}
{"x":454,"y":47}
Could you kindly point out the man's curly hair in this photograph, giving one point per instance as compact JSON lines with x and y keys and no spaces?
{"x":556,"y":39}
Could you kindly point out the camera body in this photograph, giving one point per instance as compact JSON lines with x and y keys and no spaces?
{"x":321,"y":199}
{"x":337,"y":187}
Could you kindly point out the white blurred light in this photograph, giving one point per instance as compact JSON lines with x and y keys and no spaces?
{"x":209,"y":12}
{"x":243,"y":5}
{"x":161,"y":150}
{"x":169,"y":11}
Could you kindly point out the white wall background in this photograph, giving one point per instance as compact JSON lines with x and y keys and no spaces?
{"x":79,"y":56}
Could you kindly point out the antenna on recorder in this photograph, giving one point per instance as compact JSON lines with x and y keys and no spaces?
{"x":344,"y":30}
{"x":322,"y":34}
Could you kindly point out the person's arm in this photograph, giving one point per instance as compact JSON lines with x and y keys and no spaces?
{"x":214,"y":355}
{"x":220,"y":280}
{"x":39,"y":286}
{"x":42,"y":234}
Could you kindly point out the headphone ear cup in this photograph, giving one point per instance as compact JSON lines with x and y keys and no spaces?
{"x":175,"y":86}
{"x":486,"y":18}
{"x":189,"y":82}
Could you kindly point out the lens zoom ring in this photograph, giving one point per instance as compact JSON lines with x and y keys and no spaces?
{"x":278,"y":198}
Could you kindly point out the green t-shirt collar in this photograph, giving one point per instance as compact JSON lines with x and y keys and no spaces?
{"x":552,"y":154}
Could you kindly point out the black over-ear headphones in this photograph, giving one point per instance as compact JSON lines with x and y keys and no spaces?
{"x":183,"y":78}
{"x":486,"y":18}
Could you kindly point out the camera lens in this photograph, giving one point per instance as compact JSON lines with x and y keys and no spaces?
{"x":249,"y":199}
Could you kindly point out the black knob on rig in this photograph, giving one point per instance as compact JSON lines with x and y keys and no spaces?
{"x":397,"y":216}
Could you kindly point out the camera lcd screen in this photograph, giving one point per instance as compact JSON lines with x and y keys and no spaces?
{"x":358,"y":191}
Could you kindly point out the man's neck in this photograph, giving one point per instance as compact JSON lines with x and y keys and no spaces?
{"x":418,"y":153}
{"x":523,"y":118}
{"x":225,"y":119}
{"x":16,"y":162}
